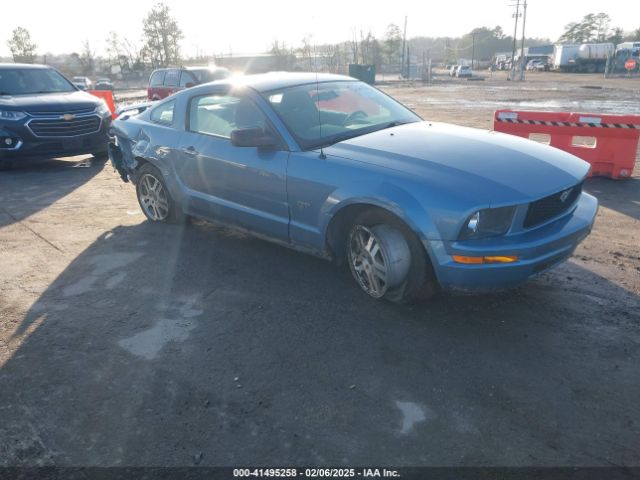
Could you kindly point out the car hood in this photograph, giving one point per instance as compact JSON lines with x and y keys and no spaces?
{"x":49,"y":102}
{"x":497,"y":168}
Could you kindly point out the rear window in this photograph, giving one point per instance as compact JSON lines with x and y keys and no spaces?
{"x":205,"y":75}
{"x":172,"y":79}
{"x":157,"y":78}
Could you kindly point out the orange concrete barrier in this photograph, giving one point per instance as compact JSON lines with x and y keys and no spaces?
{"x":613,"y":143}
{"x":107,"y":96}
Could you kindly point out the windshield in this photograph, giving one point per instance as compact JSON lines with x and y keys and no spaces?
{"x":25,"y":81}
{"x":325,"y":113}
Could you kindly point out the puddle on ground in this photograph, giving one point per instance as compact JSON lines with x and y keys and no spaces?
{"x":102,"y":265}
{"x":412,"y":414}
{"x":149,"y":342}
{"x":620,"y":107}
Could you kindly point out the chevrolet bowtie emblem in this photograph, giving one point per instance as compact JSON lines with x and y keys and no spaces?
{"x":565,"y":195}
{"x":68,"y":116}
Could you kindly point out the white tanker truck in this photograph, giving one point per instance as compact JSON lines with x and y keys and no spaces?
{"x":586,"y":57}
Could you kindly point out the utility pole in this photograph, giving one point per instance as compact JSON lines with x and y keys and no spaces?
{"x":404,"y":46}
{"x":515,"y":32}
{"x":522,"y":58}
{"x":473,"y":48}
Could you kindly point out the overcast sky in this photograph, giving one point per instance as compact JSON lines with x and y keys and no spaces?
{"x":251,"y":26}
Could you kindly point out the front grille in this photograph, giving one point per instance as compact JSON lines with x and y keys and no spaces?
{"x":549,"y":207}
{"x":73,"y":111}
{"x":65,"y":128}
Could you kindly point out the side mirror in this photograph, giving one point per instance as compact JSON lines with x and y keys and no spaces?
{"x":253,"y":137}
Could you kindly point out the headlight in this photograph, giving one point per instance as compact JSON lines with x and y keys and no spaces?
{"x":103,"y":109}
{"x":489,"y":222}
{"x":11,"y":115}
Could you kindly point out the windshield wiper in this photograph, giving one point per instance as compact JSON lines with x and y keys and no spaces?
{"x":396,"y":123}
{"x":337,"y":139}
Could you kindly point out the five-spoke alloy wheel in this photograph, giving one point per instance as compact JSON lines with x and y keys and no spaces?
{"x":154,"y":198}
{"x":387,"y":260}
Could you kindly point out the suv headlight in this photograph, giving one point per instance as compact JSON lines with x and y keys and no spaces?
{"x":11,"y":115}
{"x":103,"y":109}
{"x":488,"y":222}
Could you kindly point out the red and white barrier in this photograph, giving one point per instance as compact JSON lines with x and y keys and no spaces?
{"x":616,"y":136}
{"x":107,"y":96}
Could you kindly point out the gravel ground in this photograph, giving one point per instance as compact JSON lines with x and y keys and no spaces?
{"x":125,"y":343}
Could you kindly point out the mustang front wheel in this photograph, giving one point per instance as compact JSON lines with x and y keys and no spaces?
{"x":387,"y":260}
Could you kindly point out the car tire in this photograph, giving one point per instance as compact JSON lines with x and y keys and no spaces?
{"x":101,"y":156}
{"x":154,"y":197}
{"x":393,"y":265}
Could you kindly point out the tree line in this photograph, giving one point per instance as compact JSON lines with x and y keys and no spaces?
{"x":596,"y":28}
{"x":159,"y":46}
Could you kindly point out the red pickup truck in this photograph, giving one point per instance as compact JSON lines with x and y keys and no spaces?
{"x":165,"y":81}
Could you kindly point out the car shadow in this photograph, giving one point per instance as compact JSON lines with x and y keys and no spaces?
{"x":620,"y":195}
{"x":30,"y":186}
{"x":172,"y":346}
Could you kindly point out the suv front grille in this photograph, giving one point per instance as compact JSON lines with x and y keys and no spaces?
{"x":65,"y":128}
{"x":74,"y":111}
{"x":549,"y":207}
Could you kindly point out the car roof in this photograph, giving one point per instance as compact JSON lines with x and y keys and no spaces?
{"x":265,"y":82}
{"x":30,"y":66}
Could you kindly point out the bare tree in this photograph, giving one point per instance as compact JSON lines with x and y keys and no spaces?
{"x":87,"y":59}
{"x":392,"y":43}
{"x":307,"y":51}
{"x":283,"y":54}
{"x":602,"y":24}
{"x":161,"y":37}
{"x":22,"y":47}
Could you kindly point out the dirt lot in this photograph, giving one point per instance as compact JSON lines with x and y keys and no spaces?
{"x":125,"y":343}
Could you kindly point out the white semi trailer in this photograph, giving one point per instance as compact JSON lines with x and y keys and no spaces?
{"x":586,"y":57}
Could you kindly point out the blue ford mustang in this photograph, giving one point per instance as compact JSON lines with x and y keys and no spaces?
{"x":332,"y":166}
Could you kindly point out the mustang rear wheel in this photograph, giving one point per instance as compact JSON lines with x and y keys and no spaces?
{"x":154,"y":197}
{"x":387,"y":260}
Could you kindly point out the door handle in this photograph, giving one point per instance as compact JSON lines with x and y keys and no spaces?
{"x":190,"y":151}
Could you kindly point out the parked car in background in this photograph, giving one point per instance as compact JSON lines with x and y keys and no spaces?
{"x":166,"y":81}
{"x":464,"y":71}
{"x":453,"y":70}
{"x":83,"y":83}
{"x":103,"y":84}
{"x":44,"y":115}
{"x":542,"y":66}
{"x":332,"y":166}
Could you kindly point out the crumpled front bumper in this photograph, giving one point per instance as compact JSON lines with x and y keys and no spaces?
{"x":537,"y":250}
{"x":117,"y":160}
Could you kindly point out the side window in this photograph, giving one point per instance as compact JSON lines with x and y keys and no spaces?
{"x":186,"y":77}
{"x":172,"y":78}
{"x":163,"y":113}
{"x":157,"y":78}
{"x":220,"y":114}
